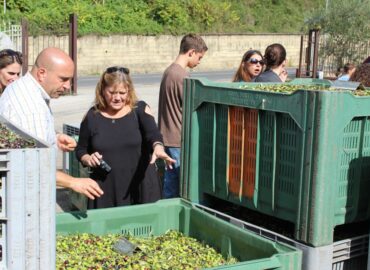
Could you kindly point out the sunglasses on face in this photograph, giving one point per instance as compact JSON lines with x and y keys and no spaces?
{"x":118,"y":69}
{"x":255,"y":61}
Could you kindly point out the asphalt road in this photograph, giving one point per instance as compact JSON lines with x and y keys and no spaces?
{"x":155,"y":78}
{"x":70,"y":109}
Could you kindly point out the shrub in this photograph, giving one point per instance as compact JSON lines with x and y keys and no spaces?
{"x":160,"y":16}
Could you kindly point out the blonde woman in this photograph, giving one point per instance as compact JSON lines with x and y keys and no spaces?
{"x":116,"y":136}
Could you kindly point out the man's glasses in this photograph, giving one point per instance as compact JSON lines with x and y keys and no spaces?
{"x":255,"y":61}
{"x":118,"y":69}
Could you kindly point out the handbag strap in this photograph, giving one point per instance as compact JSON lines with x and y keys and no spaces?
{"x":137,"y":116}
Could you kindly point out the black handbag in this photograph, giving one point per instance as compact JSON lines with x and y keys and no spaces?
{"x":147,"y":184}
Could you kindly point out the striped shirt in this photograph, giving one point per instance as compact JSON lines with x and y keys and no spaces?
{"x":26,"y":104}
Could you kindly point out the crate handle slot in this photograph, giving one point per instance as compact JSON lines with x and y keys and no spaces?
{"x":263,"y":103}
{"x":273,"y":184}
{"x":4,"y":161}
{"x":256,"y":180}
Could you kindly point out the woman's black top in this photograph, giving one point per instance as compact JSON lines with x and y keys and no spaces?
{"x":124,"y":144}
{"x":268,"y":76}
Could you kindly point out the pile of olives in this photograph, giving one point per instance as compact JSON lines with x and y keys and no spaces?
{"x":172,"y":250}
{"x":11,"y":140}
{"x":289,"y":88}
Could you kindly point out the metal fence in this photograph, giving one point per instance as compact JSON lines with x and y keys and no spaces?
{"x":14,"y":32}
{"x":17,"y":37}
{"x":314,"y":46}
{"x":45,"y":38}
{"x":354,"y":53}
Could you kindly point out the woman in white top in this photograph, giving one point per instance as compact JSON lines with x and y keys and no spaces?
{"x":348,"y":70}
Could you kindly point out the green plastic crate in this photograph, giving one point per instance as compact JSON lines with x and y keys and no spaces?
{"x":312,"y":154}
{"x":76,"y":169}
{"x":253,"y":251}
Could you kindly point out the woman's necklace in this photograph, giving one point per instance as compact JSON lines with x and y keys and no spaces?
{"x":118,"y":115}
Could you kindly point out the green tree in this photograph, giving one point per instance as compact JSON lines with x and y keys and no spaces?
{"x":143,"y":17}
{"x":345,"y":30}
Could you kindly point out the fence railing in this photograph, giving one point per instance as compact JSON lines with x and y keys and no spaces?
{"x":354,"y":53}
{"x":16,"y":37}
{"x":14,"y":32}
{"x":328,"y":63}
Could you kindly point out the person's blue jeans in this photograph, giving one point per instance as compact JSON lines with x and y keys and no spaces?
{"x":171,"y":183}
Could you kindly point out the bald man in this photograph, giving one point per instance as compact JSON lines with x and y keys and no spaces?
{"x":25,"y":103}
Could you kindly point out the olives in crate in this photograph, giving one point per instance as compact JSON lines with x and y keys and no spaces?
{"x":11,"y":140}
{"x":171,"y":250}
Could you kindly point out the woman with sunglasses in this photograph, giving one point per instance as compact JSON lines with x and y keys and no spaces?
{"x":116,"y":136}
{"x":275,"y":60}
{"x":10,"y":67}
{"x":250,"y":67}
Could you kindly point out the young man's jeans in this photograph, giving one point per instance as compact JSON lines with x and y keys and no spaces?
{"x":172,"y":176}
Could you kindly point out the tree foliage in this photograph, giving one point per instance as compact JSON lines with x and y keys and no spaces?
{"x":345,"y":28}
{"x":161,"y":16}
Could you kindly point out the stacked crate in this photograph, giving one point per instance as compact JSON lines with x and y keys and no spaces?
{"x":74,"y":168}
{"x":27,"y":190}
{"x":70,"y":164}
{"x":252,"y":251}
{"x":302,"y":157}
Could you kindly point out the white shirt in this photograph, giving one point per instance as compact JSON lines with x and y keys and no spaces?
{"x":344,"y":77}
{"x":25,"y":103}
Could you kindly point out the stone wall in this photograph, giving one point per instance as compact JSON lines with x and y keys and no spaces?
{"x":152,"y":54}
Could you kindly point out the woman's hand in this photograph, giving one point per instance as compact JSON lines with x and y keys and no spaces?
{"x":158,"y":152}
{"x":92,"y":160}
{"x":283,"y":75}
